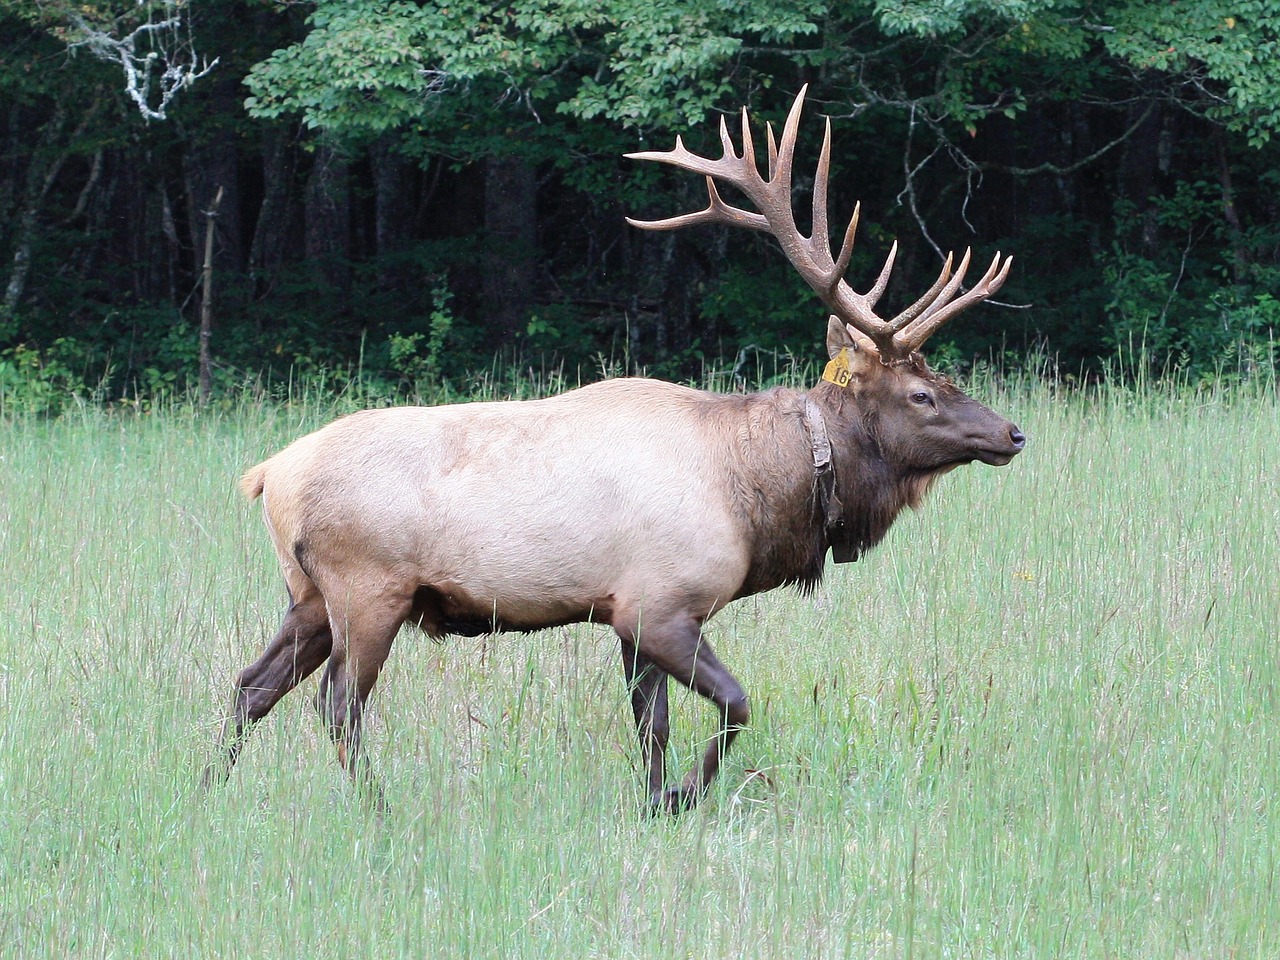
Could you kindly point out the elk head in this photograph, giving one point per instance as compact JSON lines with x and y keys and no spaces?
{"x":922,"y":422}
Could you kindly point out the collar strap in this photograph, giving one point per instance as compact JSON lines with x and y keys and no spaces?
{"x":824,"y":473}
{"x":818,"y":438}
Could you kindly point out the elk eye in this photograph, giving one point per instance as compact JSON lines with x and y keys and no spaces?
{"x":920,"y":397}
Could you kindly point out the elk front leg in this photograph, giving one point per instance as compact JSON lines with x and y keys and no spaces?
{"x":647,"y":684}
{"x":298,"y":648}
{"x":679,"y":648}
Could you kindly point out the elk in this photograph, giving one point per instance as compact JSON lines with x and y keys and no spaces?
{"x":631,"y":502}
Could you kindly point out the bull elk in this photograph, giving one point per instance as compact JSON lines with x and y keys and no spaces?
{"x":635,"y":503}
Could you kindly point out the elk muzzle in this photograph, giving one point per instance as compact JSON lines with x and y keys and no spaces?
{"x":999,"y":456}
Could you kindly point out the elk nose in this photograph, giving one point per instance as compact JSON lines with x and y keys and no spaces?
{"x":1017,"y":437}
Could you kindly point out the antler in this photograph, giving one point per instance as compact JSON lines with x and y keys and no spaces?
{"x":811,"y":256}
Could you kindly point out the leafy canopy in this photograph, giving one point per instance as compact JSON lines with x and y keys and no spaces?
{"x":368,"y":66}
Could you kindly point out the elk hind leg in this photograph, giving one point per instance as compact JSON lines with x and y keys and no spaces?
{"x":647,"y":684}
{"x":363,"y":637}
{"x":299,"y":647}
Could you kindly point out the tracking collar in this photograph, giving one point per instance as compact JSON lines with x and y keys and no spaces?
{"x":824,"y":472}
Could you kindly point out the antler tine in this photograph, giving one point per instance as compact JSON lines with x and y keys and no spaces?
{"x":680,"y":156}
{"x":931,"y":296}
{"x":928,"y":305}
{"x":773,"y":148}
{"x":846,"y":246}
{"x":873,"y":295}
{"x":748,"y":145}
{"x":780,"y":178}
{"x":841,"y":264}
{"x":952,"y":285}
{"x":820,"y":182}
{"x":943,"y":298}
{"x":920,"y":330}
{"x":716,"y":211}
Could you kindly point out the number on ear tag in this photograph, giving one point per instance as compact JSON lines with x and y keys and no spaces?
{"x":837,"y":370}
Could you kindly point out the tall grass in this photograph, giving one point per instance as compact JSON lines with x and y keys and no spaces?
{"x":1040,"y":720}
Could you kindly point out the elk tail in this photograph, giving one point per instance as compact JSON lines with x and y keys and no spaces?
{"x":253,"y":481}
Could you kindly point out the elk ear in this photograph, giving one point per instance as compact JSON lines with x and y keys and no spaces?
{"x":839,"y":337}
{"x":862,"y":342}
{"x":843,"y":336}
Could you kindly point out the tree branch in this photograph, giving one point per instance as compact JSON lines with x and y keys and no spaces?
{"x":168,"y":47}
{"x":1073,"y":167}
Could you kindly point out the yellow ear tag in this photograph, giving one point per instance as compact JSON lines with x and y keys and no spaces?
{"x":837,"y":370}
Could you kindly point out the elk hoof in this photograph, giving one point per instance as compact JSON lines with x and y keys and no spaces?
{"x":672,"y":801}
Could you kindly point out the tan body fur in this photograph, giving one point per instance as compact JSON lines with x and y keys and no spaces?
{"x":546,"y":511}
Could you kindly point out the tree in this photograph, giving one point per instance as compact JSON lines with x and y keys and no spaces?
{"x":518,"y":87}
{"x":151,"y":41}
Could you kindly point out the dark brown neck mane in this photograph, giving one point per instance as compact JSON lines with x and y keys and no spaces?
{"x":780,"y":501}
{"x":872,"y":490}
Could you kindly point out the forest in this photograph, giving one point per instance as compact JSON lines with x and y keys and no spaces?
{"x":419,"y":191}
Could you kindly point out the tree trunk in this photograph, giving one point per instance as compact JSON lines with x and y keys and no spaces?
{"x":267,"y":249}
{"x":40,"y":178}
{"x":1139,"y":166}
{"x":1235,"y":232}
{"x":213,"y":165}
{"x":206,"y":304}
{"x":510,"y":222}
{"x":389,"y":208}
{"x":327,"y":210}
{"x":10,"y":171}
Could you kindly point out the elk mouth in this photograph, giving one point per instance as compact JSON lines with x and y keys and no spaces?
{"x":1000,"y":456}
{"x":996,"y":458}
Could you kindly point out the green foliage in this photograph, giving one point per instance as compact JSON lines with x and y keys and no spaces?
{"x":48,"y":382}
{"x":560,"y":332}
{"x":1170,"y":306}
{"x":1222,"y":61}
{"x":934,"y":18}
{"x":667,"y":64}
{"x":361,"y":67}
{"x":761,"y":304}
{"x":1246,"y":341}
{"x":366,"y":67}
{"x":1141,"y":296}
{"x":1232,"y":52}
{"x":423,"y":370}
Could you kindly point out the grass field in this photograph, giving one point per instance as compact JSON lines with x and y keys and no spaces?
{"x":1042,"y":720}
